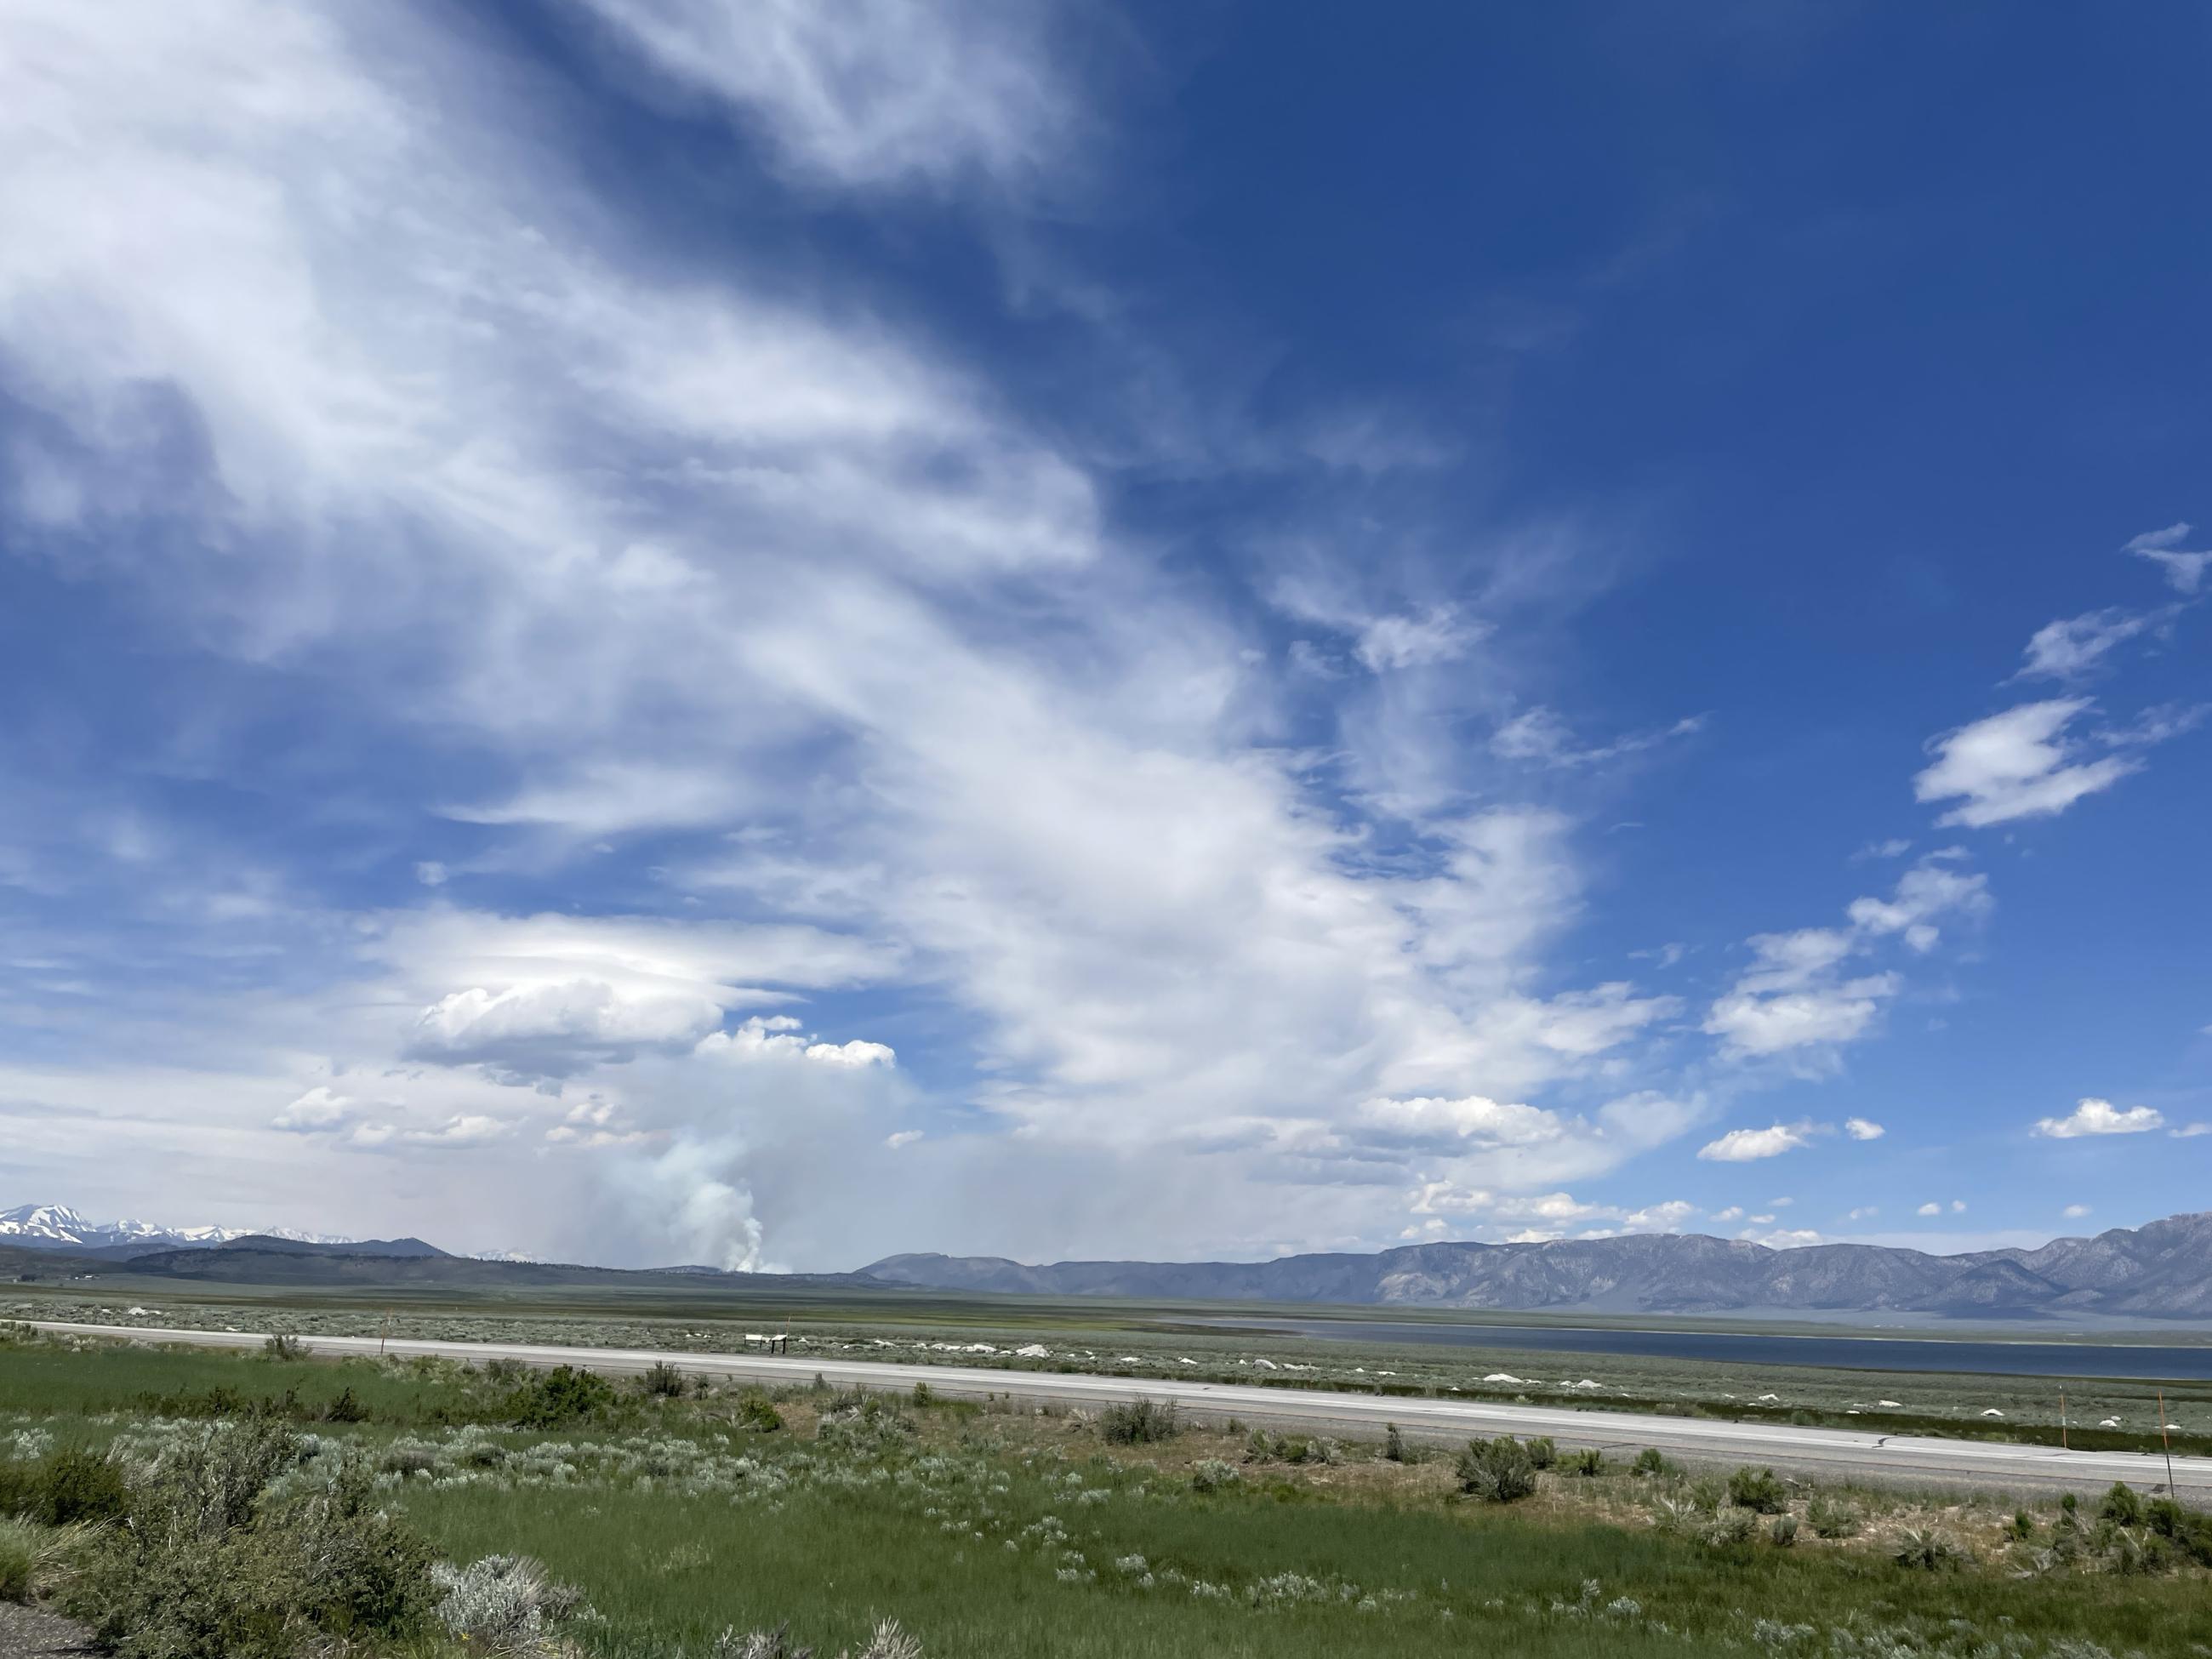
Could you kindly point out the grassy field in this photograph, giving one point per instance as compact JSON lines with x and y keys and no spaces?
{"x":1124,"y":1340}
{"x":990,"y":1532}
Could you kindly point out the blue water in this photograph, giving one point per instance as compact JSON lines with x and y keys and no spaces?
{"x":2107,"y":1360}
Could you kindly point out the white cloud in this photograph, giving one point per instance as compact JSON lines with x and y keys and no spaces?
{"x":1929,"y":1209}
{"x":2099,"y":1117}
{"x":1860,"y":1128}
{"x":2184,"y":570}
{"x":659,"y":546}
{"x":1921,"y":894}
{"x":462,"y":1131}
{"x":1744,"y":1146}
{"x":1795,"y":995}
{"x":2074,"y":1212}
{"x":1471,"y":1118}
{"x":2070,"y":649}
{"x":558,"y":1027}
{"x":774,"y":1039}
{"x":1542,"y":735}
{"x":2017,"y":764}
{"x":1734,"y":1212}
{"x":1396,"y":642}
{"x":875,"y":95}
{"x":431,"y":874}
{"x":1554,"y":1210}
{"x":902,"y":1138}
{"x":1863,"y":1213}
{"x":1896,"y":847}
{"x":1787,"y":1239}
{"x":321,"y":1108}
{"x":1771,"y":1024}
{"x":2191,"y":1130}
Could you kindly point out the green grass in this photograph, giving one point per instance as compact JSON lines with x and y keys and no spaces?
{"x":105,"y":1378}
{"x":670,"y":1572}
{"x":1002,"y":1533}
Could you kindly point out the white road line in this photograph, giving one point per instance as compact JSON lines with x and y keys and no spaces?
{"x":1839,"y":1452}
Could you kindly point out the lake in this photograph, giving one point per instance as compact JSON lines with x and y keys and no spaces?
{"x":1871,"y":1353}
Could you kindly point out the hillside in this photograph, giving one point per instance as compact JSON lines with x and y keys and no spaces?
{"x":2162,"y":1270}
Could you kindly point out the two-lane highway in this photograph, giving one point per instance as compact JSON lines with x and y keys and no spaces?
{"x":1835,"y":1453}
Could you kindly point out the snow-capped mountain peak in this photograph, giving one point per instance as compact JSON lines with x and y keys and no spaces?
{"x":46,"y":1226}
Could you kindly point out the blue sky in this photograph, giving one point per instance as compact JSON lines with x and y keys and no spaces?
{"x":650,"y":629}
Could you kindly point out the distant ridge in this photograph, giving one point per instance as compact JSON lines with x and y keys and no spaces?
{"x":2162,"y":1270}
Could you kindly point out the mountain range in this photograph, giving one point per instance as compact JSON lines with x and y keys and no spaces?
{"x":2162,"y":1270}
{"x":58,"y":1227}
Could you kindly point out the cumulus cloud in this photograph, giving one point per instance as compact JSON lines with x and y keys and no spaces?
{"x":2074,"y":1212}
{"x":1929,"y":1209}
{"x":1860,"y":1128}
{"x":1747,"y":1146}
{"x":1552,"y":1210}
{"x":1796,"y":994}
{"x":558,"y":1028}
{"x":2184,"y":570}
{"x":2017,"y":764}
{"x":1471,"y":1118}
{"x":778,"y":1038}
{"x":2099,"y":1117}
{"x":321,"y":1108}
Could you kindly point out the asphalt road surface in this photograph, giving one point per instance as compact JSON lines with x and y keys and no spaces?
{"x":1834,"y":1454}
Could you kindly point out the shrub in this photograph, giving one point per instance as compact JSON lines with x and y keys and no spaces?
{"x":1212,"y":1473}
{"x":664,"y":1381}
{"x":214,"y":1565}
{"x":72,"y":1484}
{"x":346,"y":1408}
{"x":2122,"y":1506}
{"x":1497,"y":1471}
{"x":887,"y":1642}
{"x":505,"y":1601}
{"x":1139,"y":1423}
{"x":2022,"y":1525}
{"x":756,"y":1412}
{"x":1783,"y":1530}
{"x":1925,"y":1550}
{"x":1586,"y":1463}
{"x":21,"y":1545}
{"x":1830,"y":1519}
{"x":281,"y":1347}
{"x":1542,"y":1452}
{"x":564,"y":1394}
{"x":1758,"y":1490}
{"x":1649,"y":1463}
{"x":2186,"y":1528}
{"x":1394,"y":1443}
{"x":1728,"y":1527}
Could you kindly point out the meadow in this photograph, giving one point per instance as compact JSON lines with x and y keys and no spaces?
{"x":1023,"y":1333}
{"x":684,"y":1519}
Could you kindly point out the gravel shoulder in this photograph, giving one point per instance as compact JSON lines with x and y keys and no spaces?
{"x":34,"y":1633}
